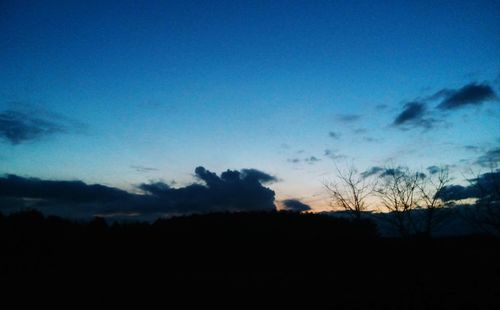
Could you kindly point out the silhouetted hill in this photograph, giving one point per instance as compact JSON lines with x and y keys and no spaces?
{"x":288,"y":257}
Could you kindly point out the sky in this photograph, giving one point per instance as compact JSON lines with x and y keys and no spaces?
{"x":122,"y":93}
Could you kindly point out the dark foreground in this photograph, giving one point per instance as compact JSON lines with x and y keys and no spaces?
{"x":238,"y":260}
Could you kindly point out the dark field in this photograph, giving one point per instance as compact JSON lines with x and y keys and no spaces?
{"x":289,"y":258}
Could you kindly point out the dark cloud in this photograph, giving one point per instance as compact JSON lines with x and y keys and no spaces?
{"x":64,"y":191}
{"x":484,"y":187}
{"x":372,"y":171}
{"x":413,"y":115}
{"x":18,"y":127}
{"x":293,"y":160}
{"x":458,"y":192}
{"x":257,"y":175}
{"x":412,"y":111}
{"x":334,"y":135}
{"x":489,"y":159}
{"x":295,"y":205}
{"x":387,"y":172}
{"x":471,"y":94}
{"x":381,"y":107}
{"x":348,"y":118}
{"x":433,"y":169}
{"x":416,"y":114}
{"x":231,"y":191}
{"x":384,"y":172}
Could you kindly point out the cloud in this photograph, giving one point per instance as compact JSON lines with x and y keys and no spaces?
{"x":295,"y":205}
{"x":348,"y":118}
{"x":372,"y":171}
{"x":334,"y":135}
{"x":254,"y":174}
{"x":333,"y":154}
{"x":457,"y":192}
{"x":372,"y":139}
{"x":416,"y":114}
{"x":360,"y":131}
{"x":413,"y":115}
{"x":389,"y":172}
{"x":312,"y":159}
{"x":433,"y":169}
{"x":63,"y":191}
{"x":18,"y":127}
{"x":443,"y":93}
{"x":385,"y":172}
{"x":231,"y":191}
{"x":472,"y":148}
{"x":470,"y":94}
{"x":143,"y":169}
{"x":485,"y":187}
{"x":490,"y":158}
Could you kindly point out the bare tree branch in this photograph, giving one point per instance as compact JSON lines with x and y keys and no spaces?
{"x":349,"y":191}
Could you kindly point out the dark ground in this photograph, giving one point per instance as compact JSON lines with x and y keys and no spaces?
{"x":237,"y":260}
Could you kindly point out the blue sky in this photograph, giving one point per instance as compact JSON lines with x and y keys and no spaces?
{"x":245,"y":84}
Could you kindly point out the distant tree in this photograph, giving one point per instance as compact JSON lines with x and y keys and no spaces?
{"x":485,"y":213}
{"x":398,"y":195}
{"x":349,"y":191}
{"x":434,"y":207}
{"x":98,"y":224}
{"x":413,"y":199}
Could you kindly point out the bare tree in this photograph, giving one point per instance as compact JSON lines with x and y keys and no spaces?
{"x":413,"y":199}
{"x":350,"y":191}
{"x":398,"y":195}
{"x":430,"y":188}
{"x":485,"y":213}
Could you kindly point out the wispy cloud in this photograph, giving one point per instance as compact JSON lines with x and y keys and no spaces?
{"x":143,"y":169}
{"x":490,"y":158}
{"x":312,"y":159}
{"x":17,"y":127}
{"x":24,"y":124}
{"x":334,"y":135}
{"x":333,"y":154}
{"x":348,"y":118}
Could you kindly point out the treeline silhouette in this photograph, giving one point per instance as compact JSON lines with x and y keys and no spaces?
{"x":288,"y":257}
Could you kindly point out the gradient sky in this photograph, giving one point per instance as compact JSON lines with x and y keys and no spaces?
{"x":144,"y":90}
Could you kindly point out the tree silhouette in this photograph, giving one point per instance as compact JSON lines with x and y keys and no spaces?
{"x":435,"y":212}
{"x":485,"y":213}
{"x":350,"y":191}
{"x":414,"y":199}
{"x":398,"y":194}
